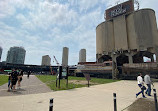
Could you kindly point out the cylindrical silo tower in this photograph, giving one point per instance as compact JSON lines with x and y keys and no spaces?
{"x":82,"y":55}
{"x":65,"y":56}
{"x":128,"y":34}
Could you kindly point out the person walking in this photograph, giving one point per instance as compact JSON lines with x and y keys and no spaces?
{"x":148,"y":82}
{"x":141,"y":85}
{"x":14,"y":78}
{"x":20,"y":78}
{"x":9,"y":81}
{"x":28,"y":74}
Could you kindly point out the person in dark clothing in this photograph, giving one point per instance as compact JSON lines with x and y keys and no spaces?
{"x":14,"y":78}
{"x":28,"y":74}
{"x":20,"y":78}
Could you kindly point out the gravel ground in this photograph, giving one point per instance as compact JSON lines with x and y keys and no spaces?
{"x":142,"y":104}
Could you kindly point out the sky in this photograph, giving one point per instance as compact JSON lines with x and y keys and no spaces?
{"x":44,"y":27}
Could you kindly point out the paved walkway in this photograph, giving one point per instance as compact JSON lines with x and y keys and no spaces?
{"x":28,"y":86}
{"x":94,"y":98}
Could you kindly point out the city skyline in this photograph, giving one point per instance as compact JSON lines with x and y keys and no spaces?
{"x":44,"y":27}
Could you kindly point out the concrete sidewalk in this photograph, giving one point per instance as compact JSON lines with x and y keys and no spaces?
{"x":95,"y":98}
{"x":28,"y":86}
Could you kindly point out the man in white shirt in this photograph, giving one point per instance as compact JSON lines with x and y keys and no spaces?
{"x":147,"y":81}
{"x":141,"y":85}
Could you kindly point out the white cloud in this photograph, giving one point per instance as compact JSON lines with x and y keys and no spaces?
{"x":21,"y":18}
{"x":46,"y":26}
{"x":84,"y":5}
{"x":6,"y":9}
{"x":46,"y":15}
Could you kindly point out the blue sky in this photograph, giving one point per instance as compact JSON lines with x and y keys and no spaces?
{"x":44,"y":27}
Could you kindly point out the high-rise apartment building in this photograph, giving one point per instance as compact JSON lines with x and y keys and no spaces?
{"x":0,"y":52}
{"x":46,"y":60}
{"x":16,"y":55}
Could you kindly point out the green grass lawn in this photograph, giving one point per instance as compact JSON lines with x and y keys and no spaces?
{"x":51,"y":82}
{"x":3,"y":79}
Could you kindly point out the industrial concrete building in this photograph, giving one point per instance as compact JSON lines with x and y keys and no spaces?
{"x":127,"y":37}
{"x":65,"y":56}
{"x":0,"y":52}
{"x":82,"y":55}
{"x":46,"y":60}
{"x":16,"y":55}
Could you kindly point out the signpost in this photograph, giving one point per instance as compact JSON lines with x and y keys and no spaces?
{"x":88,"y":78}
{"x":63,"y":74}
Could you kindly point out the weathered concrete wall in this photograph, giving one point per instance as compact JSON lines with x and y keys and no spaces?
{"x":131,"y":33}
{"x":99,"y":38}
{"x":154,"y":31}
{"x":120,"y":33}
{"x":104,"y":38}
{"x":143,"y":29}
{"x":108,"y":41}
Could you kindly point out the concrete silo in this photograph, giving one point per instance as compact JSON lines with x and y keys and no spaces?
{"x":82,"y":55}
{"x":127,"y":35}
{"x":65,"y":56}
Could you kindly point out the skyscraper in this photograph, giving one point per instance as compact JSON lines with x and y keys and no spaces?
{"x":16,"y":55}
{"x":46,"y":60}
{"x":0,"y":52}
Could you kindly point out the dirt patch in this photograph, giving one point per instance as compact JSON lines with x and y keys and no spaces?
{"x":83,"y":82}
{"x":142,"y":105}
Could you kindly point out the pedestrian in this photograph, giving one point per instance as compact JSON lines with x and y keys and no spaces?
{"x":14,"y":78}
{"x":28,"y":74}
{"x":9,"y":81}
{"x":20,"y":78}
{"x":148,"y":82}
{"x":141,"y":85}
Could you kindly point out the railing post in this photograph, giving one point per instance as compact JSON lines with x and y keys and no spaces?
{"x":115,"y":105}
{"x":51,"y":105}
{"x":155,"y":98}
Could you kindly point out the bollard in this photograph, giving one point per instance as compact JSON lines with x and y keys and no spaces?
{"x":51,"y":105}
{"x":155,"y":98}
{"x":115,"y":107}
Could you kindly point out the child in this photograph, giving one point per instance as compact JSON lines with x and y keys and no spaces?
{"x":9,"y":81}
